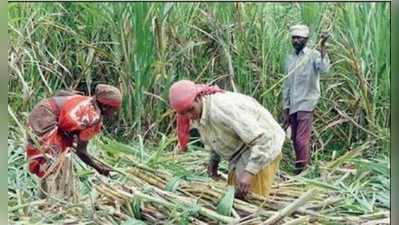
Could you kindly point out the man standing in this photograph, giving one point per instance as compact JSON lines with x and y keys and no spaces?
{"x":301,"y":90}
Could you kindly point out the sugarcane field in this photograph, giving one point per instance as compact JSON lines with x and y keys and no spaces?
{"x":246,"y":113}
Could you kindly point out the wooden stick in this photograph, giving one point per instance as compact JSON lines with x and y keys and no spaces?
{"x":300,"y":220}
{"x":290,"y":208}
{"x":30,"y":204}
{"x":379,"y":222}
{"x":323,"y":204}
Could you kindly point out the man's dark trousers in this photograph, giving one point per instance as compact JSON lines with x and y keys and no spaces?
{"x":301,"y":126}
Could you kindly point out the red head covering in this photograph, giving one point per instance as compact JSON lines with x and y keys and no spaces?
{"x":108,"y":95}
{"x":182,"y":95}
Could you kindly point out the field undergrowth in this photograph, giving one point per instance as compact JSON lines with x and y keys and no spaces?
{"x":142,"y":48}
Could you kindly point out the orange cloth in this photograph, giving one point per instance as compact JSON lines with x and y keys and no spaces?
{"x":182,"y":95}
{"x":54,"y":127}
{"x":262,"y":181}
{"x":80,"y":113}
{"x":183,"y":131}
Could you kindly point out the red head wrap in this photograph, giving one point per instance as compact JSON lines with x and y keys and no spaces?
{"x":182,"y":95}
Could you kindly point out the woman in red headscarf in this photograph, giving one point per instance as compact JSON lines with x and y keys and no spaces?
{"x":234,"y":127}
{"x":67,"y":120}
